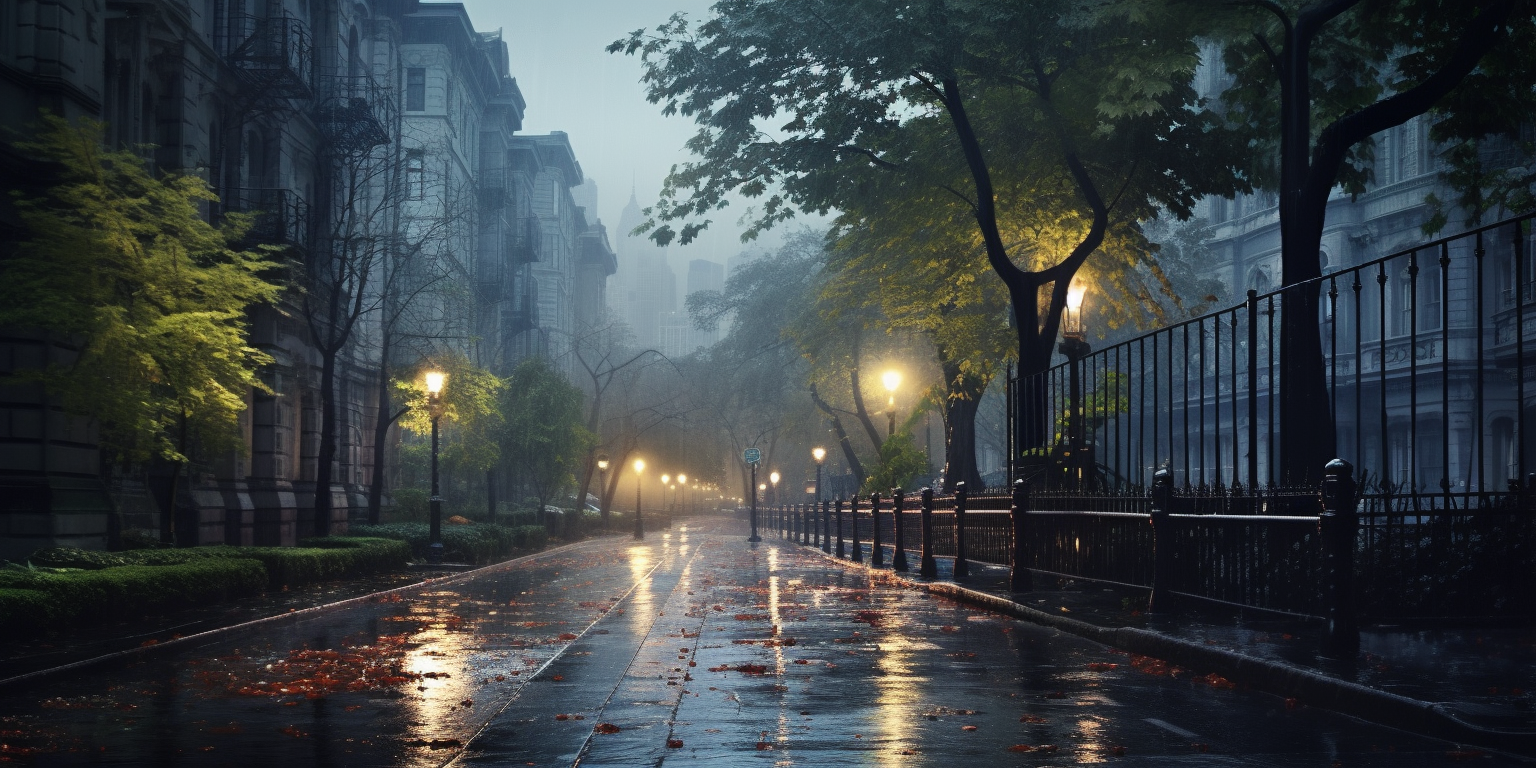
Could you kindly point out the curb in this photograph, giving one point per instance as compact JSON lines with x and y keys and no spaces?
{"x":293,"y":616}
{"x":1311,"y":688}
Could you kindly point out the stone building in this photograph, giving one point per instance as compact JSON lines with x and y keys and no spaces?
{"x":374,"y":138}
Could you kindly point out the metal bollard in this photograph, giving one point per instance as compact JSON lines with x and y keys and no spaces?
{"x":837,"y":506}
{"x":876,"y":554}
{"x":1019,"y":577}
{"x":962,"y":565}
{"x":826,"y":526}
{"x":1337,"y":527}
{"x":1160,"y":601}
{"x":926,"y":565}
{"x":858,"y":549}
{"x":899,"y":555}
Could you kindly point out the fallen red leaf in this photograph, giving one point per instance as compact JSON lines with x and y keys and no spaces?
{"x":674,"y":743}
{"x":764,"y":746}
{"x":1031,"y":719}
{"x":967,"y":727}
{"x":562,"y":717}
{"x":605,"y":728}
{"x":1021,"y":748}
{"x":1099,"y":666}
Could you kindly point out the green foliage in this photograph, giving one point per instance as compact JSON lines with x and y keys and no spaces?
{"x":123,"y":264}
{"x":543,"y":436}
{"x":901,"y":462}
{"x":478,"y":543}
{"x":323,"y":559}
{"x":37,"y":601}
{"x":471,"y":407}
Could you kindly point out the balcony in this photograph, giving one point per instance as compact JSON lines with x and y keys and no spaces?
{"x":281,"y":217}
{"x":525,"y":316}
{"x":273,"y":57}
{"x":525,"y":241}
{"x":355,"y":113}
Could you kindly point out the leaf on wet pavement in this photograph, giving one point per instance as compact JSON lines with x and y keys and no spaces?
{"x":605,"y":728}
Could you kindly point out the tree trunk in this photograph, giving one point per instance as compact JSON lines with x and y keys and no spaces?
{"x":860,"y":411}
{"x":960,"y":405}
{"x":327,"y":452}
{"x":381,"y":423}
{"x":849,"y":455}
{"x":490,"y":495}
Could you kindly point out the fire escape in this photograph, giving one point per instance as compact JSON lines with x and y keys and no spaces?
{"x":524,"y":242}
{"x":272,"y":62}
{"x":354,"y":111}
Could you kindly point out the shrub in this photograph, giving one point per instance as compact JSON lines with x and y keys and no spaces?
{"x":42,"y":600}
{"x":321,"y":559}
{"x":475,"y":543}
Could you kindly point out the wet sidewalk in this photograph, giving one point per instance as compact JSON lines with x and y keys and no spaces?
{"x":691,"y":645}
{"x":1483,"y":676}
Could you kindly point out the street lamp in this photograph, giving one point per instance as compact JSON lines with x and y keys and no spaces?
{"x":892,"y":380}
{"x":602,"y":493}
{"x":682,"y":507}
{"x":639,"y":526}
{"x":665,"y":479}
{"x":435,"y":381}
{"x":819,"y":454}
{"x":773,"y":480}
{"x":1075,"y":348}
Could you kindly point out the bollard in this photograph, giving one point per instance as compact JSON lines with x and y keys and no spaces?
{"x":962,"y":565}
{"x":837,"y":507}
{"x":858,"y":549}
{"x":1019,"y":577}
{"x":1160,"y":601}
{"x":826,"y":527}
{"x":899,"y":553}
{"x":1337,"y":527}
{"x":926,"y":566}
{"x":876,"y":555}
{"x":805,"y":524}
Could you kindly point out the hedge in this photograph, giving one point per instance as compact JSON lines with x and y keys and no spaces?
{"x":478,"y":543}
{"x":323,"y":559}
{"x":41,"y":600}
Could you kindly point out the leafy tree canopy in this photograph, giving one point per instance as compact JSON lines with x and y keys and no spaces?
{"x":472,"y":400}
{"x":122,"y":265}
{"x":543,"y":435}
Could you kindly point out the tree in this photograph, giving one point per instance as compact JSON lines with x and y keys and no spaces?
{"x":1329,"y":75}
{"x":605,"y":359}
{"x":1086,"y":115}
{"x":543,"y":437}
{"x":123,"y":267}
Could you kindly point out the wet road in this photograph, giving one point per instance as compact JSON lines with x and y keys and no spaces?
{"x":688,"y":646}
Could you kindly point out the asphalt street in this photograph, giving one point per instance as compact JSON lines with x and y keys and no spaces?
{"x":691,"y":645}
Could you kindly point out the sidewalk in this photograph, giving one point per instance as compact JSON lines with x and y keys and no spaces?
{"x":1483,"y":678}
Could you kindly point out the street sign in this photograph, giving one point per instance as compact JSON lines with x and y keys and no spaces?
{"x":752,"y":455}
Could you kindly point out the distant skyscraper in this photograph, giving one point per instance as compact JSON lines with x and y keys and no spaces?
{"x":647,"y":285}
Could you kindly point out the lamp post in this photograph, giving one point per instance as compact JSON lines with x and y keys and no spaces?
{"x":682,"y":505}
{"x":665,"y":484}
{"x":1075,"y":347}
{"x":892,"y":380}
{"x":819,"y":454}
{"x":754,"y":538}
{"x":602,"y":506}
{"x":639,"y":526}
{"x":773,"y":480}
{"x":435,"y":404}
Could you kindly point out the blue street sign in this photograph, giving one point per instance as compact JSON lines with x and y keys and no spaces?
{"x":752,"y":455}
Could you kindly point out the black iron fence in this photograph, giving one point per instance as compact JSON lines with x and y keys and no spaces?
{"x":1447,"y":564}
{"x":1426,"y":354}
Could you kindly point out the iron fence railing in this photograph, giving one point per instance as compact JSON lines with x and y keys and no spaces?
{"x":1426,"y":354}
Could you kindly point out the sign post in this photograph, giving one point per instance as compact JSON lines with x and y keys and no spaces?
{"x":752,"y":457}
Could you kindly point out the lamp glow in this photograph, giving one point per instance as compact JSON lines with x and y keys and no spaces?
{"x":666,"y":479}
{"x":435,"y":381}
{"x":1075,"y":297}
{"x":602,"y":464}
{"x":892,"y":380}
{"x":639,"y":466}
{"x":818,"y":454}
{"x":773,"y":477}
{"x":682,"y":479}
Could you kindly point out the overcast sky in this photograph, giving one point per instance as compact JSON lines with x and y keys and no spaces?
{"x":573,"y":85}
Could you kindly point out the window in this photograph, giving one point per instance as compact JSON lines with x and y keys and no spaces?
{"x":415,"y":176}
{"x":415,"y":89}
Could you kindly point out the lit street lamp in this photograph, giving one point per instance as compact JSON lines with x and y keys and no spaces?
{"x":1075,"y":347}
{"x":602,"y":493}
{"x":773,"y":480}
{"x":665,"y":479}
{"x":892,"y":380}
{"x":435,"y":404}
{"x":639,"y":526}
{"x":819,"y":454}
{"x":682,"y":507}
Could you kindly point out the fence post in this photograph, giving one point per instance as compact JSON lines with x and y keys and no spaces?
{"x":927,"y":566}
{"x":807,"y":511}
{"x":837,"y":507}
{"x":962,"y":565}
{"x":1337,"y":527}
{"x":798,"y":534}
{"x":899,"y":556}
{"x":1162,"y":542}
{"x":826,"y":527}
{"x":1019,"y":578}
{"x":876,"y":555}
{"x":853,"y":512}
